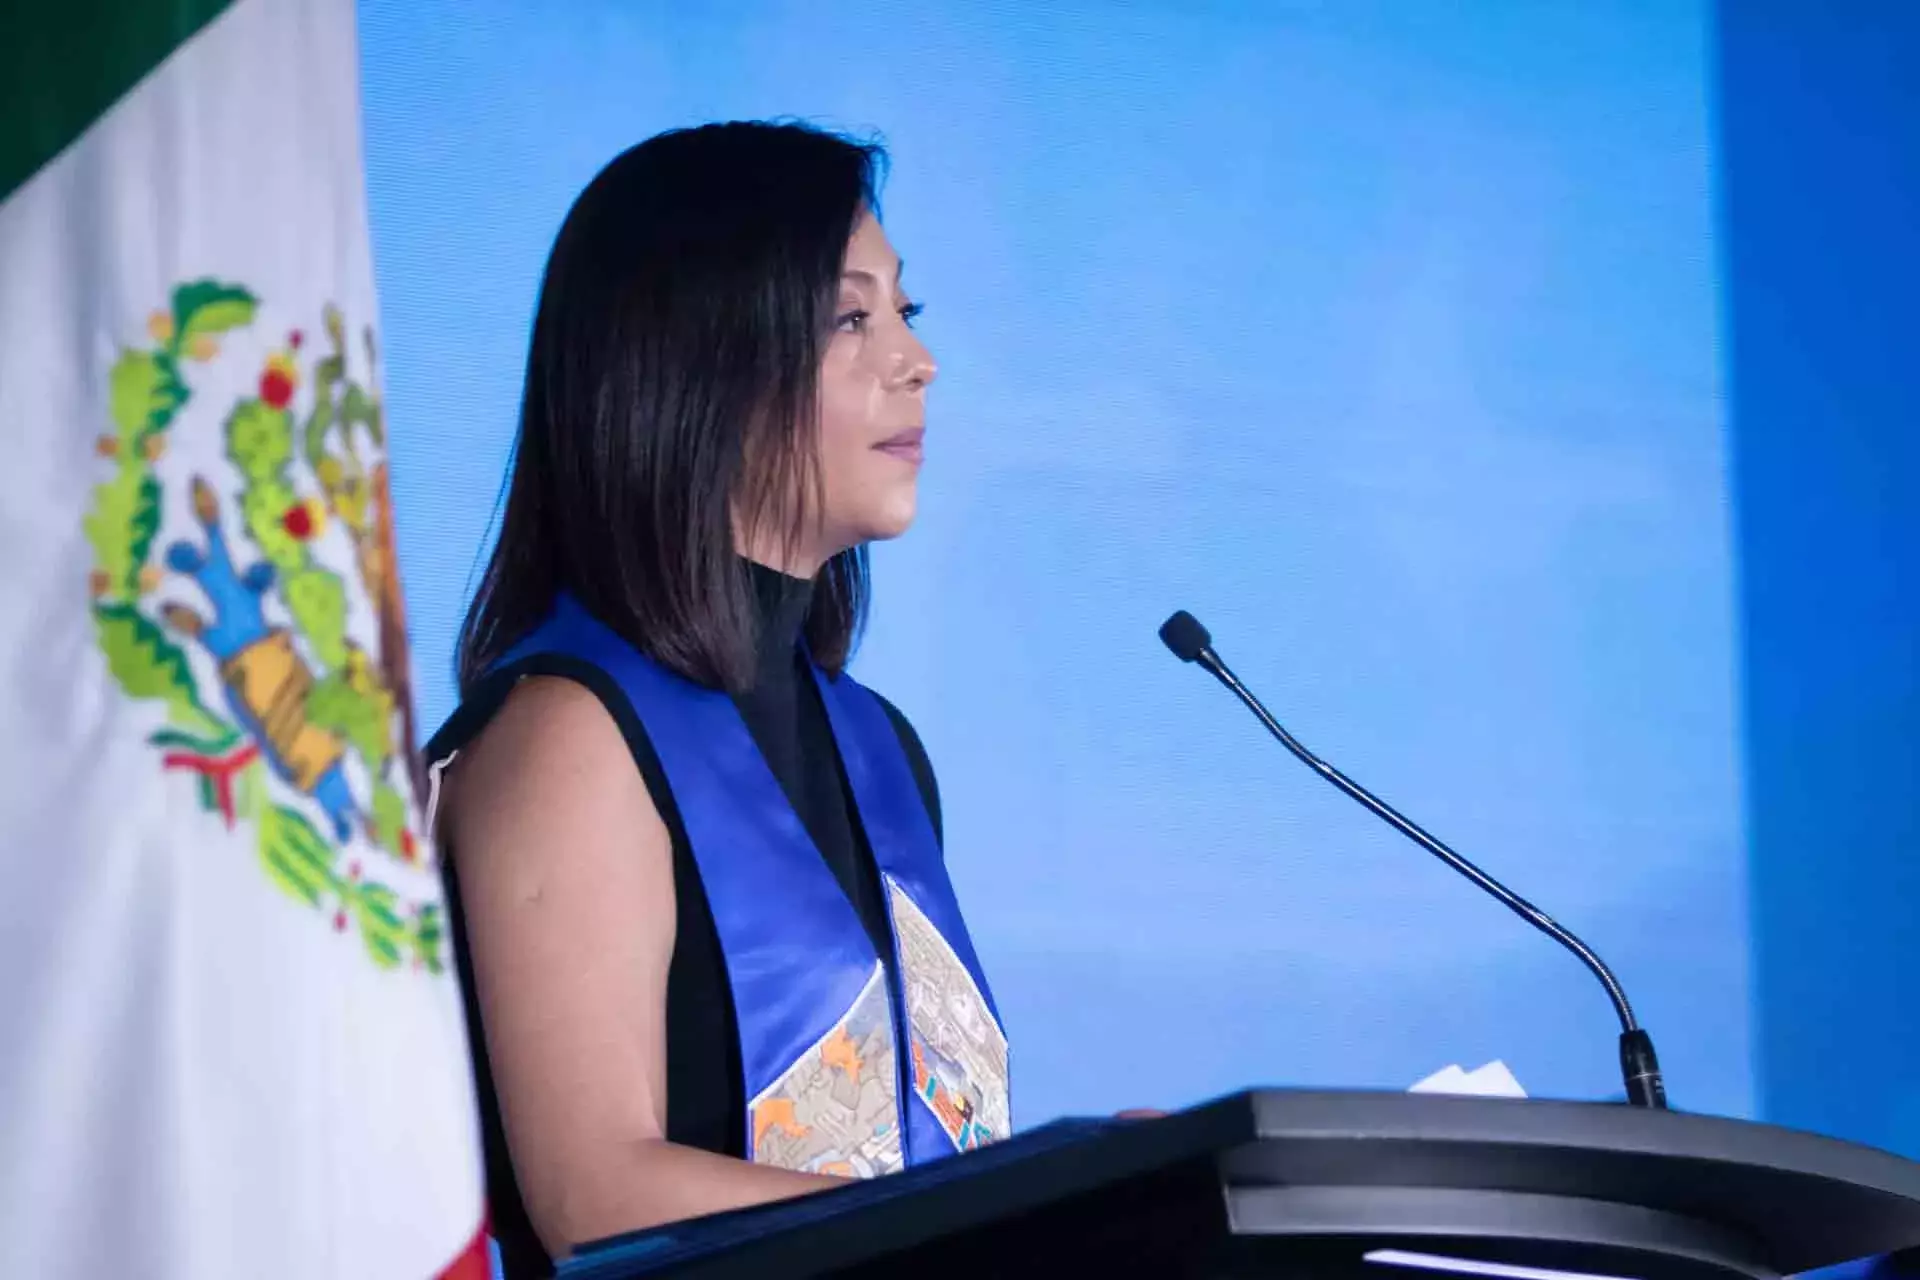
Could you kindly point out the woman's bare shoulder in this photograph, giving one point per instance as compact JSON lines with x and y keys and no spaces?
{"x":550,"y":774}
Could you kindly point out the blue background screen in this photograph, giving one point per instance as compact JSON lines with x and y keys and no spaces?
{"x":1393,"y":341}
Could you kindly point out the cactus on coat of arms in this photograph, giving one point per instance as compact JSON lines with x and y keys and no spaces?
{"x":307,"y":723}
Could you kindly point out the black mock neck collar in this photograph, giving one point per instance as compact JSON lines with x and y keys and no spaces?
{"x":780,"y":603}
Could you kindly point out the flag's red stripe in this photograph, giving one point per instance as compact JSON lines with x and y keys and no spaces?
{"x":473,"y":1263}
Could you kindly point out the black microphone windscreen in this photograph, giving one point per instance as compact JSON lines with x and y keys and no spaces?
{"x":1183,"y":634}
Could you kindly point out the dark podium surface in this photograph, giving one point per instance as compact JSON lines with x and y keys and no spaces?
{"x":1311,"y":1184}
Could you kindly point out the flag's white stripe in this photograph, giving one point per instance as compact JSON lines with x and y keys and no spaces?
{"x":200,"y":1077}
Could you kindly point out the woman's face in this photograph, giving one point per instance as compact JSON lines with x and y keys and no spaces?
{"x":873,"y":399}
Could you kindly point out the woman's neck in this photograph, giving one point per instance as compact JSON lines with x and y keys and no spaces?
{"x":801,"y":567}
{"x":793,"y":557}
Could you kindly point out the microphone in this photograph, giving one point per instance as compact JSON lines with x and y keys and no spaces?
{"x":1191,"y":642}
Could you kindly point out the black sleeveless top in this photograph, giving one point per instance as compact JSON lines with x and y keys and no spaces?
{"x":706,"y":1102}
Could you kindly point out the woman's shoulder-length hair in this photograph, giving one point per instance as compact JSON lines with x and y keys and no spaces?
{"x":671,"y":397}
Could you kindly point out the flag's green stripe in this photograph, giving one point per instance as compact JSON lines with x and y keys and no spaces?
{"x":64,"y":62}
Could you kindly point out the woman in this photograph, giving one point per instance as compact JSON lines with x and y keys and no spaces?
{"x":712,"y":953}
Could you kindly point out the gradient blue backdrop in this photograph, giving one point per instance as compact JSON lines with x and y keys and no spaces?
{"x":1381,"y":335}
{"x":1819,"y":119}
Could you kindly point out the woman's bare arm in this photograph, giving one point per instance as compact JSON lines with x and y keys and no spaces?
{"x":566,"y":879}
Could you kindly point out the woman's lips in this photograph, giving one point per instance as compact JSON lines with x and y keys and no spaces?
{"x":908,"y":446}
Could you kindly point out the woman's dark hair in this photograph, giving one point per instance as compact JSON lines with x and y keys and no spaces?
{"x":672,"y":386}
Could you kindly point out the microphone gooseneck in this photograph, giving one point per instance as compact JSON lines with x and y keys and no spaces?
{"x":1639,"y":1067}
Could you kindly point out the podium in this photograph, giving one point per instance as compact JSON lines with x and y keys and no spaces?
{"x":1294,"y":1183}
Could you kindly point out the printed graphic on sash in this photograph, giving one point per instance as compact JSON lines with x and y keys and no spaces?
{"x":834,"y":1111}
{"x":959,"y":1051}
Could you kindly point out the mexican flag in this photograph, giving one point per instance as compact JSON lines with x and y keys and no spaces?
{"x":230,"y":1027}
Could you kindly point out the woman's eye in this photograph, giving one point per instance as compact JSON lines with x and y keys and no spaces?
{"x":911,"y":312}
{"x":853,"y":322}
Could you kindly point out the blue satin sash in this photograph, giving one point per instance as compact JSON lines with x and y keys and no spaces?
{"x":820,"y":1014}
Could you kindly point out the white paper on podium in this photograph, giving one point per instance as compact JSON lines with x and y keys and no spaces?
{"x":1490,"y":1081}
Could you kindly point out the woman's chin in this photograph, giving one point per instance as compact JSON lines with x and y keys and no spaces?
{"x":889,"y":520}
